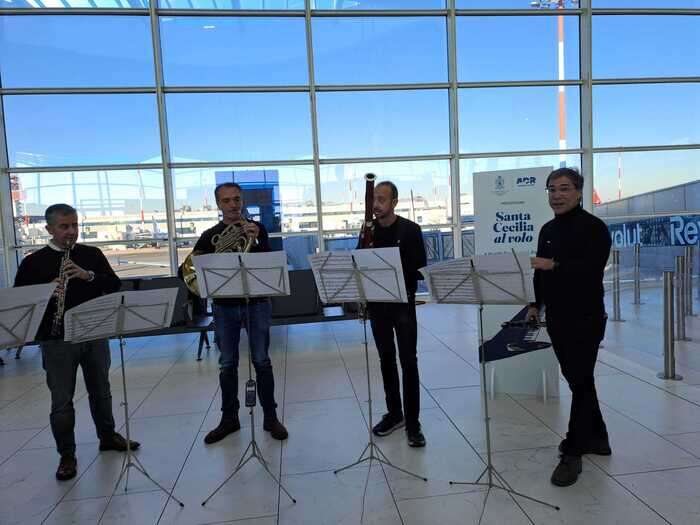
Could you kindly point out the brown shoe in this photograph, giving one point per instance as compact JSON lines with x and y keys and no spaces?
{"x":226,"y":427}
{"x":275,"y":428}
{"x":117,"y":442}
{"x":67,"y":468}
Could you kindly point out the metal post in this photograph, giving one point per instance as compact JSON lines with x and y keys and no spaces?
{"x":680,"y":298}
{"x":669,"y":357}
{"x":637,"y":264}
{"x":616,"y":286}
{"x":689,"y":281}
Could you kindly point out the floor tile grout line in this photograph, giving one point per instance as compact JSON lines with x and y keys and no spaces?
{"x":284,"y":408}
{"x":20,"y":448}
{"x":522,"y":509}
{"x":187,"y":457}
{"x":595,"y":464}
{"x":449,"y":348}
{"x":661,"y":436}
{"x":657,"y":387}
{"x":238,"y":520}
{"x":122,"y":426}
{"x":366,"y":421}
{"x":669,"y":469}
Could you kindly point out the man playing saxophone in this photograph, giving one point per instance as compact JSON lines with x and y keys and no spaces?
{"x":231,"y":314}
{"x":82,"y":273}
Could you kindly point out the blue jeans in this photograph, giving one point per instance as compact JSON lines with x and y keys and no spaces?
{"x":60,"y":361}
{"x":228,"y":320}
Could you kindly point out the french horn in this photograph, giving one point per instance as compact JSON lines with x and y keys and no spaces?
{"x":232,"y":239}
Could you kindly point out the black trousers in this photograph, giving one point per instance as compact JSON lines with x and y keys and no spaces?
{"x":60,"y":361}
{"x":386,"y":320}
{"x":575,"y":340}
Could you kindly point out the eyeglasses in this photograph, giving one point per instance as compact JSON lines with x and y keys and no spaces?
{"x":564,"y":190}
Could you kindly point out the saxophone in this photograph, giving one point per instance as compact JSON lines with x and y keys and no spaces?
{"x":57,"y":324}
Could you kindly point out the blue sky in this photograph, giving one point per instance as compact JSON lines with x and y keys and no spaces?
{"x":62,"y":51}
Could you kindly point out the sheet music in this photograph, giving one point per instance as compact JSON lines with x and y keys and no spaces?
{"x":375,"y":275}
{"x":100,"y":318}
{"x":146,"y":310}
{"x":381,"y":274}
{"x":219,"y":275}
{"x":21,"y":311}
{"x":335,"y":278}
{"x":504,"y":275}
{"x":489,"y":279}
{"x":93,"y":319}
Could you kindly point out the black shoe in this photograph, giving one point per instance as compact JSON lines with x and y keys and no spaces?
{"x":567,"y":471}
{"x":388,"y":424}
{"x":117,"y":442}
{"x":415,"y":437}
{"x":226,"y":427}
{"x":67,"y":468}
{"x":275,"y":428}
{"x":600,"y":447}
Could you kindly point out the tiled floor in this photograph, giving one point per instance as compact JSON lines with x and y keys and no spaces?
{"x":653,"y":475}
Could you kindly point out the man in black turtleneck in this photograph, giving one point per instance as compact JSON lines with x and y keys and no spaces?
{"x":572,"y":252}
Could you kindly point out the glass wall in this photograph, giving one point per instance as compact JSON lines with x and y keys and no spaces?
{"x":134,"y":121}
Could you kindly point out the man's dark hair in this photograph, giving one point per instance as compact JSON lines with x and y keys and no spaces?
{"x":392,"y":187}
{"x":226,"y":185}
{"x":55,"y":210}
{"x":570,"y":173}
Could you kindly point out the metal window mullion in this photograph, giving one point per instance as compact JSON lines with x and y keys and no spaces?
{"x":517,"y":12}
{"x":314,"y":122}
{"x":524,"y":153}
{"x":240,"y":164}
{"x":631,"y":149}
{"x":235,"y":89}
{"x":6,"y":210}
{"x":646,"y":11}
{"x":398,"y":158}
{"x":164,"y":139}
{"x":518,"y":83}
{"x":53,"y":11}
{"x":586,"y":96}
{"x":453,"y":101}
{"x":86,"y":167}
{"x":237,"y":13}
{"x":645,"y":80}
{"x":382,"y":87}
{"x":374,"y":13}
{"x":78,"y":90}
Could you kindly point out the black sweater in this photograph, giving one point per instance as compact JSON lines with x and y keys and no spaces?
{"x":408,"y":237}
{"x":580,"y":245}
{"x":204,"y":245}
{"x":43,"y":266}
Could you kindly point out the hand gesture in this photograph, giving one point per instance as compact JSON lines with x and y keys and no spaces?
{"x":72,"y":270}
{"x":541,"y":263}
{"x":251,"y":230}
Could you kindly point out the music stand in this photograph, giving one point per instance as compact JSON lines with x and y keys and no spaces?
{"x":114,"y":316}
{"x":21,"y":311}
{"x":244,"y":276}
{"x":362,"y":276}
{"x":499,"y":279}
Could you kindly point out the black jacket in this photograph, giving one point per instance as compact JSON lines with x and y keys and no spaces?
{"x":580,"y":245}
{"x":43,"y":266}
{"x":408,"y":237}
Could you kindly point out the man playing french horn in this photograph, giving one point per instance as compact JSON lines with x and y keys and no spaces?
{"x":234,"y":233}
{"x":82,"y":273}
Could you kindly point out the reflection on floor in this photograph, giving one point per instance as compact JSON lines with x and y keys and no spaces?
{"x":653,"y":475}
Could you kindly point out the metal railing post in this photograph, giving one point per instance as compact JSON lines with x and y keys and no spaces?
{"x":616,"y":286}
{"x":637,"y":274}
{"x":669,"y":357}
{"x":689,"y":281}
{"x":679,"y":293}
